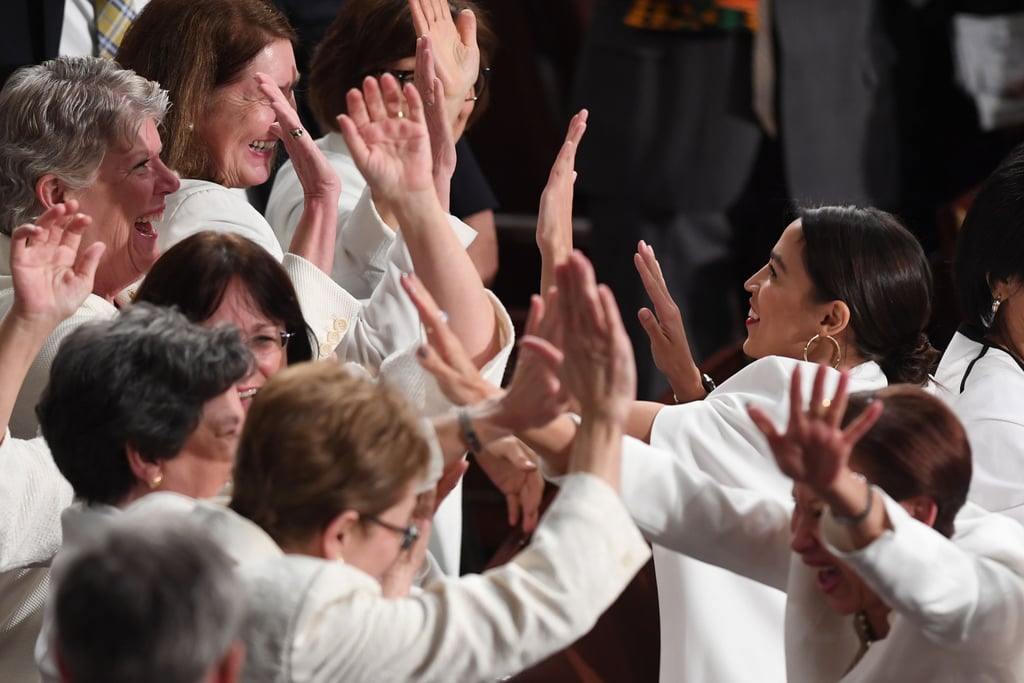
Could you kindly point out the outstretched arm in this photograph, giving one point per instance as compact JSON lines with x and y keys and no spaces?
{"x":52,"y":277}
{"x":392,"y":151}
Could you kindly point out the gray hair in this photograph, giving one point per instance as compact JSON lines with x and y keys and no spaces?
{"x":61,"y":117}
{"x":149,"y":600}
{"x":141,"y":378}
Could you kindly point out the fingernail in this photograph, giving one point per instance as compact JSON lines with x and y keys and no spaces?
{"x":422,"y":352}
{"x":443,"y":316}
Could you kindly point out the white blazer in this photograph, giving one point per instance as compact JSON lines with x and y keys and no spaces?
{"x":985,"y":388}
{"x":705,"y":610}
{"x":958,"y":604}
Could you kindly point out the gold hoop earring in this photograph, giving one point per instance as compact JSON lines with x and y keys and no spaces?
{"x":837,"y":358}
{"x":156,"y":482}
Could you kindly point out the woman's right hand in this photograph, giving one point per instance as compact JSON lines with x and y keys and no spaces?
{"x":815,"y":449}
{"x":664,"y":327}
{"x":52,"y":274}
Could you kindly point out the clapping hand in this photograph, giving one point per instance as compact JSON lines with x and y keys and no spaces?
{"x":598,"y":367}
{"x":664,"y":327}
{"x":52,"y":274}
{"x":815,"y":449}
{"x":391,"y":149}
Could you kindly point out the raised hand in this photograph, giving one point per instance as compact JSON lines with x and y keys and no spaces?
{"x":456,"y":51}
{"x":554,"y":219}
{"x":443,"y":356}
{"x":439,"y":128}
{"x":52,"y":274}
{"x":598,"y":367}
{"x":311,"y":166}
{"x":390,"y":149}
{"x":664,"y":327}
{"x":535,"y":395}
{"x":815,"y":449}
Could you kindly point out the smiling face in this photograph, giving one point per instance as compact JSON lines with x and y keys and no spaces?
{"x":843,"y":590}
{"x":262,"y":335}
{"x":236,"y":130}
{"x":783,"y":313}
{"x":127,"y":196}
{"x":205,"y":462}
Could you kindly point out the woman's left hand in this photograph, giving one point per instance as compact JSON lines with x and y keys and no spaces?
{"x":815,"y":449}
{"x":315,"y":173}
{"x":390,"y":149}
{"x":442,"y":141}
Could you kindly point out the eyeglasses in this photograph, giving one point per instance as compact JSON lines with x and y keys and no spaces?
{"x":404,"y":77}
{"x":265,"y":346}
{"x":409,"y":533}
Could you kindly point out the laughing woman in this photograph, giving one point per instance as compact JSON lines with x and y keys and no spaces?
{"x":888,"y":575}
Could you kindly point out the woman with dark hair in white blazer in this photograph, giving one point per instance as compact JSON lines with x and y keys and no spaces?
{"x":982,"y":369}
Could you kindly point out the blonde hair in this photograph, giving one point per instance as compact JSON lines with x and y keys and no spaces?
{"x":318,"y":441}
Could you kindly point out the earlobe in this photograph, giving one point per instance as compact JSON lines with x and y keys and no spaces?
{"x":50,"y":190}
{"x":149,"y":473}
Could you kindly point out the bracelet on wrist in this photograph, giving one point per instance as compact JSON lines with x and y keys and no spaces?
{"x":853,"y":520}
{"x":469,"y":434}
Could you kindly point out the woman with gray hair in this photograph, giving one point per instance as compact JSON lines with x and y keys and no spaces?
{"x":168,"y":601}
{"x":84,"y":130}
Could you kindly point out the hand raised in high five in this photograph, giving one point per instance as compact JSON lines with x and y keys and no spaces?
{"x":554,"y":220}
{"x":598,"y":367}
{"x":815,"y":449}
{"x":456,"y":51}
{"x":664,"y":327}
{"x":390,"y":149}
{"x":52,"y":274}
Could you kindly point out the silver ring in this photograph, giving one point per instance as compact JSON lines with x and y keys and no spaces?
{"x":296,"y":133}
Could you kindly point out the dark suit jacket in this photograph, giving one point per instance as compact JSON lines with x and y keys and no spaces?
{"x":29,"y":33}
{"x":671,"y":124}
